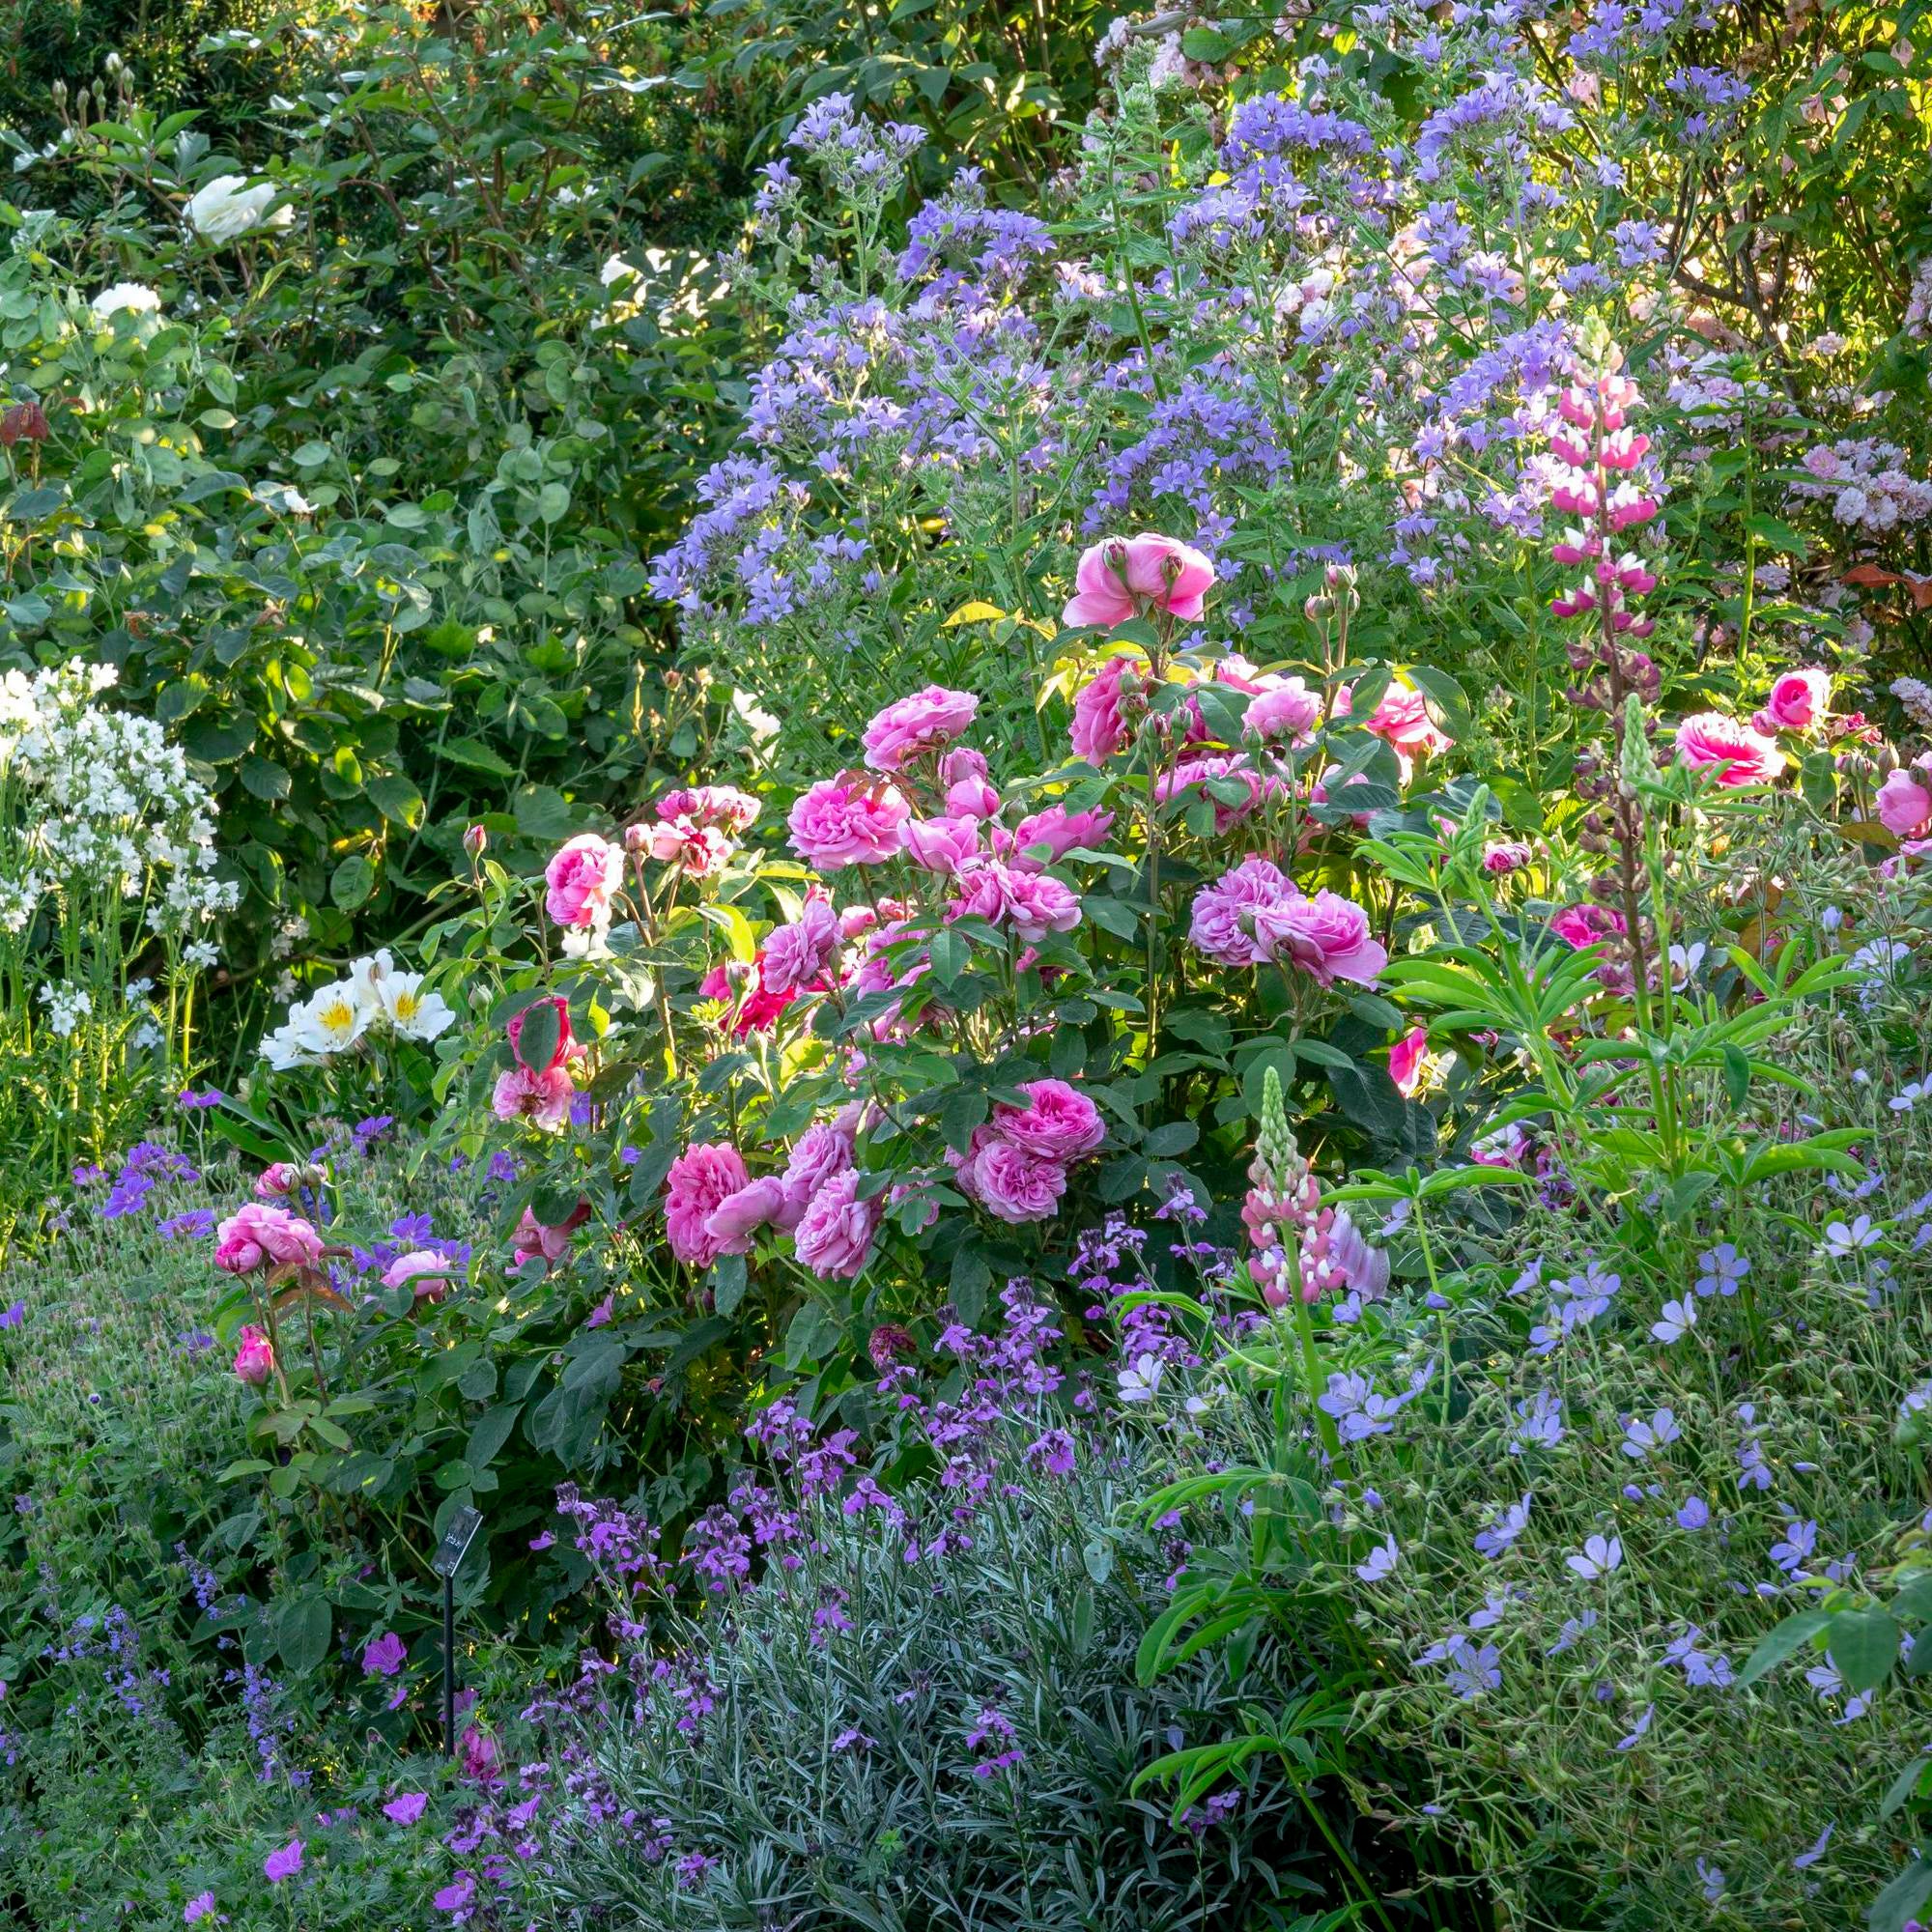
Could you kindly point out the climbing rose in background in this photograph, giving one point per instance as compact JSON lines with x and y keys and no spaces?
{"x":851,"y":820}
{"x":257,"y":1235}
{"x":1708,"y":740}
{"x":1798,"y":702}
{"x":1222,"y":924}
{"x":255,"y":1358}
{"x":925,"y":722}
{"x":701,"y":1180}
{"x":579,"y":880}
{"x":1117,"y":578}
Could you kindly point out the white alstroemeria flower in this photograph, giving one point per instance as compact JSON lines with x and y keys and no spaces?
{"x":1139,"y":1381}
{"x":331,"y":1020}
{"x":282,"y":1051}
{"x":413,"y":1012}
{"x":227,"y":209}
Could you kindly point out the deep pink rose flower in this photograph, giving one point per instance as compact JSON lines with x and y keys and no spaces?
{"x":1117,"y":578}
{"x":1059,"y":830}
{"x":851,"y":820}
{"x":1905,"y":803}
{"x":1401,"y":719}
{"x":822,"y":1150}
{"x":565,"y":1044}
{"x":1102,"y":709}
{"x":1406,"y":1059}
{"x":1058,"y":1122}
{"x":1009,"y":1182}
{"x":1222,"y":923}
{"x":534,"y":1237}
{"x":1027,"y":904}
{"x":971,"y":798}
{"x":1581,"y":925}
{"x":1798,"y":702}
{"x":797,"y":954}
{"x":732,"y":1223}
{"x":834,"y":1237}
{"x":1194,"y":775}
{"x":257,"y":1235}
{"x":1504,"y":855}
{"x":541,"y":1099}
{"x":424,"y":1271}
{"x":1287,"y":710}
{"x":580,"y":879}
{"x":1709,"y":741}
{"x":925,"y":722}
{"x":941,"y":845}
{"x":702,"y":1179}
{"x":1328,"y":937}
{"x":255,"y":1358}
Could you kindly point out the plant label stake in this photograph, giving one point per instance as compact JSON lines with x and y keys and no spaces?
{"x":447,"y":1561}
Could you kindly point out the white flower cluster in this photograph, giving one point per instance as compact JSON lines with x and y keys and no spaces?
{"x":1917,"y":323}
{"x":97,"y":802}
{"x":67,"y":1006}
{"x":374,"y":995}
{"x":1915,"y":695}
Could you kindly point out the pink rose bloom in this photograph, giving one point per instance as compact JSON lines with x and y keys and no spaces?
{"x":960,"y":763}
{"x":277,"y":1180}
{"x":1027,"y":904}
{"x":579,"y":880}
{"x":1406,"y":1058}
{"x":971,"y":798}
{"x":1059,"y":830}
{"x":757,"y":1007}
{"x":257,"y":1235}
{"x":565,"y":1044}
{"x":942,"y":845}
{"x":799,"y":954}
{"x":1798,"y":702}
{"x":1401,"y":720}
{"x":1287,"y":710}
{"x":424,"y":1271}
{"x":698,"y":851}
{"x":1194,"y":776}
{"x":1117,"y":578}
{"x":1581,"y":925}
{"x":922,"y":722}
{"x":701,"y":1179}
{"x":820,"y":1152}
{"x":1058,"y":1122}
{"x":534,"y":1237}
{"x":739,"y":1216}
{"x":1009,"y":1182}
{"x":1222,"y":924}
{"x":1709,"y":741}
{"x":541,"y":1099}
{"x":1905,"y":803}
{"x":834,"y":1237}
{"x":1101,"y":711}
{"x":711,"y":805}
{"x":255,"y":1358}
{"x":850,"y":820}
{"x":1326,"y":937}
{"x":1504,"y":855}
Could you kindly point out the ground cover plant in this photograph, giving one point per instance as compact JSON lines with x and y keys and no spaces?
{"x":1075,"y":907}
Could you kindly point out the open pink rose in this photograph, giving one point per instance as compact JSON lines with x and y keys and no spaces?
{"x":851,"y":820}
{"x":1709,"y":741}
{"x":1009,"y":1182}
{"x":1798,"y":702}
{"x":756,"y":1007}
{"x":534,"y":1237}
{"x":1286,"y":710}
{"x":698,"y":851}
{"x":702,"y":1179}
{"x":1405,"y":1059}
{"x":1401,"y":719}
{"x":971,"y":798}
{"x":541,"y":1099}
{"x":1222,"y":924}
{"x":255,"y":1358}
{"x":942,"y":845}
{"x":1117,"y":578}
{"x":797,"y":954}
{"x":257,"y":1235}
{"x":1581,"y":925}
{"x":822,"y":1150}
{"x":1027,"y":904}
{"x":1058,"y":1122}
{"x":565,"y":1044}
{"x":1905,"y":803}
{"x":579,"y":880}
{"x":1326,"y":936}
{"x":834,"y":1237}
{"x":732,"y":1223}
{"x":1103,"y":709}
{"x":423,"y":1271}
{"x":1057,"y":829}
{"x":925,"y":722}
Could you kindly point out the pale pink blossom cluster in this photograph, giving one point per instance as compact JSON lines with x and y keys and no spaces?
{"x":1015,"y":1166}
{"x":694,"y":829}
{"x":1904,"y":802}
{"x":1255,"y":914}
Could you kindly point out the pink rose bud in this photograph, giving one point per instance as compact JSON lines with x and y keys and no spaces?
{"x":636,"y":839}
{"x":255,"y":1358}
{"x":476,"y":840}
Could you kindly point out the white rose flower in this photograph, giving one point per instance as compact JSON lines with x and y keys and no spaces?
{"x":126,"y":299}
{"x":228,"y":208}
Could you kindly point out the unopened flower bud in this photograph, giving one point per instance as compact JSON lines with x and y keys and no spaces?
{"x":741,"y":976}
{"x":636,"y":839}
{"x":475,"y":842}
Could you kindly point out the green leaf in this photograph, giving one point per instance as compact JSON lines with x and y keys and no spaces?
{"x":1737,"y":1075}
{"x":1863,"y":1645}
{"x":1901,"y":1899}
{"x":1905,"y":1785}
{"x":536,"y":1046}
{"x":728,"y":1283}
{"x":351,"y":882}
{"x":1174,"y":1137}
{"x":301,"y":1632}
{"x":492,"y":1430}
{"x":1787,"y":1640}
{"x":264,"y":778}
{"x":397,"y":800}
